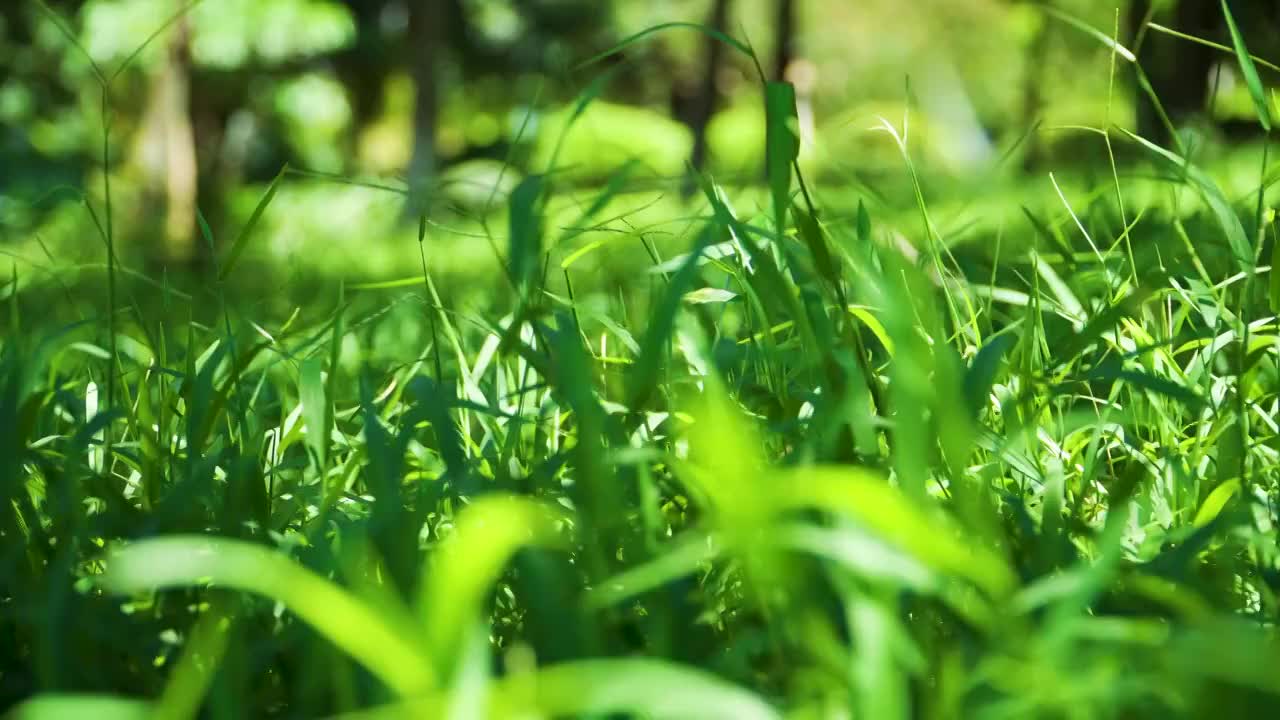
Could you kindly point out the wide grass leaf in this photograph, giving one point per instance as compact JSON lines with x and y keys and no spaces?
{"x":466,"y":567}
{"x":65,"y":706}
{"x":636,"y":687}
{"x":869,"y":499}
{"x":1209,"y":191}
{"x":782,"y":145}
{"x":347,"y":622}
{"x":525,"y":236}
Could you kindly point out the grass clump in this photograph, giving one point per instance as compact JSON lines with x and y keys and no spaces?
{"x":801,"y":467}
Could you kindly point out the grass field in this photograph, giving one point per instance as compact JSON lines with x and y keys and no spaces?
{"x":781,"y":452}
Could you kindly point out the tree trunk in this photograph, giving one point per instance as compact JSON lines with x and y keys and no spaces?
{"x":167,"y":152}
{"x":426,"y":19}
{"x":784,"y":38}
{"x":1178,"y":70}
{"x":705,"y":102}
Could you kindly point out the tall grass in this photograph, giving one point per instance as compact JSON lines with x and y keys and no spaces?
{"x":806,"y":475}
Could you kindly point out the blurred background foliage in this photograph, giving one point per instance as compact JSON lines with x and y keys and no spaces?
{"x":466,"y":95}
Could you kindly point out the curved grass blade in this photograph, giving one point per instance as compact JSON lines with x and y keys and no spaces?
{"x":467,"y":566}
{"x":1099,"y":325}
{"x":644,"y":373}
{"x":683,"y":557}
{"x":1075,"y":22}
{"x":888,"y":513}
{"x":61,"y":706}
{"x":1114,"y":370}
{"x":350,"y":624}
{"x":1217,"y":500}
{"x":626,"y":687}
{"x":525,"y":236}
{"x":981,"y":374}
{"x":1248,"y":69}
{"x":1212,"y":195}
{"x":237,"y":247}
{"x":632,"y":686}
{"x":632,"y":39}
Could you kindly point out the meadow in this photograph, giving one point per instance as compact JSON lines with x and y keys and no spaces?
{"x":780,"y":448}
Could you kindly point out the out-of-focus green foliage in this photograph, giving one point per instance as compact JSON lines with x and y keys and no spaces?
{"x":939,"y":391}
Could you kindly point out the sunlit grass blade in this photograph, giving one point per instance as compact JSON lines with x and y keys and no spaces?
{"x":315,"y":410}
{"x":1227,"y":219}
{"x":629,"y":687}
{"x":1248,"y":69}
{"x":683,"y":557}
{"x":191,"y":561}
{"x":639,"y":687}
{"x":232,"y":256}
{"x":643,"y":376}
{"x":466,"y":567}
{"x":981,"y":374}
{"x":67,"y":706}
{"x":632,"y":39}
{"x":885,"y":511}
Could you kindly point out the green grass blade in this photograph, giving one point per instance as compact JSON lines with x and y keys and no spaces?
{"x":466,"y":567}
{"x":64,"y":706}
{"x":1104,"y":322}
{"x":1227,"y":219}
{"x":882,"y":509}
{"x":653,"y":346}
{"x":1093,"y":32}
{"x":1248,"y":69}
{"x":525,"y":234}
{"x":632,"y":39}
{"x":350,"y":624}
{"x":315,"y":411}
{"x":242,"y":240}
{"x":981,"y":374}
{"x":635,"y":687}
{"x":782,"y":146}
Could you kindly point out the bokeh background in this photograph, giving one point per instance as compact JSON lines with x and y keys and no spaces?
{"x":468,"y":95}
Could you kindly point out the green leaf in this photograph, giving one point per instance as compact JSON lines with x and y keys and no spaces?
{"x":525,"y":232}
{"x":981,"y":374}
{"x":1212,"y":195}
{"x":1274,"y":278}
{"x":466,"y":567}
{"x":653,"y":347}
{"x":1217,"y":500}
{"x":782,"y":145}
{"x":1248,"y":70}
{"x":634,"y":687}
{"x":237,"y":247}
{"x":1101,"y":323}
{"x":1114,"y":370}
{"x":811,"y":233}
{"x":885,"y":511}
{"x":350,"y":624}
{"x":315,"y":409}
{"x":614,"y":687}
{"x":683,"y":556}
{"x":63,"y":706}
{"x":1106,"y":40}
{"x":703,"y":296}
{"x":704,"y":29}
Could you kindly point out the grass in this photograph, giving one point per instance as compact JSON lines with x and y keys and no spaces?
{"x":796,"y":467}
